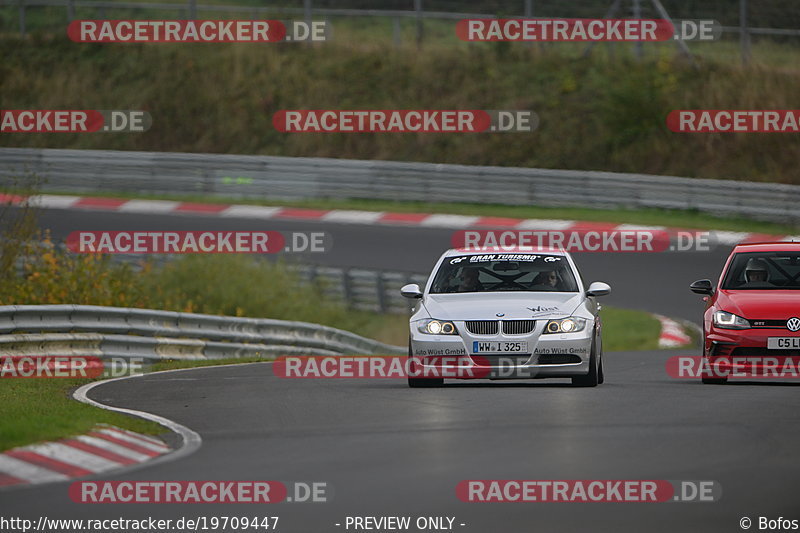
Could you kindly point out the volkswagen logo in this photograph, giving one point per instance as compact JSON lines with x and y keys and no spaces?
{"x":793,"y":324}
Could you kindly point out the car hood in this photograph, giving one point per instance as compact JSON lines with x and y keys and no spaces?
{"x":758,"y":304}
{"x":514,"y":305}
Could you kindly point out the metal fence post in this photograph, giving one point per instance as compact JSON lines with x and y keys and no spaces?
{"x":381,"y":288}
{"x":529,"y":14}
{"x":418,"y":10}
{"x":744,"y":35}
{"x":70,"y":10}
{"x":307,"y":11}
{"x":193,"y":9}
{"x":347,"y":287}
{"x":22,"y":18}
{"x":396,"y":31}
{"x":637,"y":14}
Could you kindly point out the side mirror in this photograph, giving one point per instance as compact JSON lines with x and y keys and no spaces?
{"x":598,"y":288}
{"x":702,"y":286}
{"x":411,"y":291}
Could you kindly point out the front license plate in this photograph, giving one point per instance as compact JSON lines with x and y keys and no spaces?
{"x":500,"y":347}
{"x":783,"y":343}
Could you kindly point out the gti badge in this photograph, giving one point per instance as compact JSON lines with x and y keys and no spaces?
{"x":793,"y":324}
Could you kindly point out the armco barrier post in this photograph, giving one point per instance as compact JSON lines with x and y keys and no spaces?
{"x":22,"y":18}
{"x":744,"y":34}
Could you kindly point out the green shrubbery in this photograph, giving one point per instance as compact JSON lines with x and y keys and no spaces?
{"x":595,"y":114}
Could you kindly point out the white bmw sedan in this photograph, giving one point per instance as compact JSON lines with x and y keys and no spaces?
{"x":505,"y":314}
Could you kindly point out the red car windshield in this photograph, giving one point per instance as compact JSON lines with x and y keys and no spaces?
{"x":763,"y":271}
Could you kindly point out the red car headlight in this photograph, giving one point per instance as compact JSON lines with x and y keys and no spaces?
{"x":725,"y":320}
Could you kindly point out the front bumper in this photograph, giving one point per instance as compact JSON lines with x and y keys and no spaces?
{"x":548,"y":356}
{"x":743,"y":352}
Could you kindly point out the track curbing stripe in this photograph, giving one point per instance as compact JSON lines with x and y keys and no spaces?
{"x":432,"y":220}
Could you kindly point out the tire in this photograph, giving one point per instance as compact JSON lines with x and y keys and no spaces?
{"x":419,"y":383}
{"x":595,"y":371}
{"x":600,"y":373}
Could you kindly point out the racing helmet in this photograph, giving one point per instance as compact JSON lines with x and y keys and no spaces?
{"x":756,"y":266}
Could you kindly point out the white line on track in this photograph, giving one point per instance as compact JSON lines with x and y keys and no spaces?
{"x":191,"y":440}
{"x":148,"y":206}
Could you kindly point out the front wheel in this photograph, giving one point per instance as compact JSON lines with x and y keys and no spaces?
{"x":600,"y":374}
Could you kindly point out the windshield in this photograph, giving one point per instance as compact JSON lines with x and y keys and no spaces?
{"x":763,"y":270}
{"x":504,"y":272}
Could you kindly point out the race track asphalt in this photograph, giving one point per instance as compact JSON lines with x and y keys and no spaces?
{"x":384,"y":449}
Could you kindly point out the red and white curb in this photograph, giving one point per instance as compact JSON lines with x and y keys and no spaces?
{"x":346,"y":216}
{"x":672,"y":334}
{"x":104,"y":449}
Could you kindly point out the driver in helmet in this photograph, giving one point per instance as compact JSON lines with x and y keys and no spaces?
{"x":546,"y":281}
{"x":756,"y":273}
{"x":468,"y":280}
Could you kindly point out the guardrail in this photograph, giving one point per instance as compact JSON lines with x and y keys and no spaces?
{"x":150,"y":334}
{"x":275,"y":178}
{"x":357,"y":288}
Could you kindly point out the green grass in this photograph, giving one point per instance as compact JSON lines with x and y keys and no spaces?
{"x":624,"y":330}
{"x":244,"y":286}
{"x":35,"y":410}
{"x":595,"y":114}
{"x":230,"y":285}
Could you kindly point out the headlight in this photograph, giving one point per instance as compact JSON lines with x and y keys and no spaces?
{"x":572,"y":324}
{"x":437,"y":327}
{"x":725,"y":320}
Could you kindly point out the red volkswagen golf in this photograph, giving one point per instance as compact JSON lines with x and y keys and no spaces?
{"x":751,"y":324}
